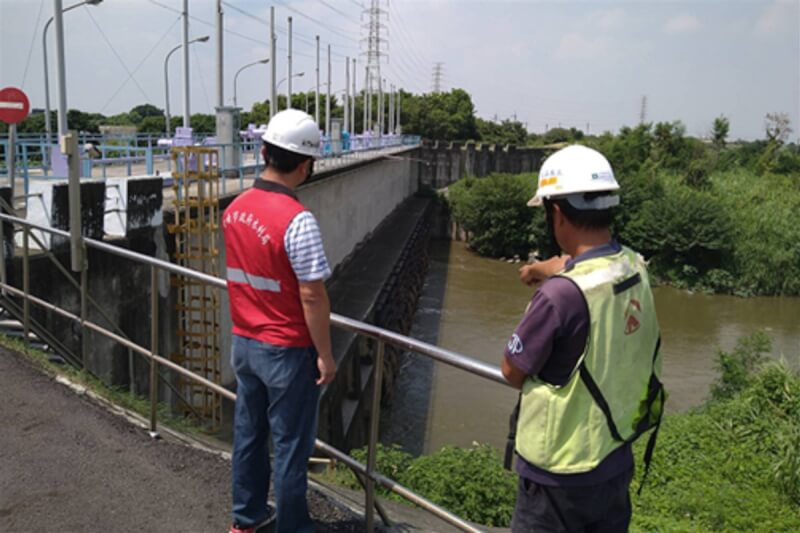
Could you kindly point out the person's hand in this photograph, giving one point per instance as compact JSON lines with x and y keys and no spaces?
{"x":541,"y":270}
{"x":327,"y":369}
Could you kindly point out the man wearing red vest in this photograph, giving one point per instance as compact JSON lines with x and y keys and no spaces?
{"x":281,"y":353}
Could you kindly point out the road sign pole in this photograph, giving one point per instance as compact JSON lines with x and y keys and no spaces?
{"x":11,"y":156}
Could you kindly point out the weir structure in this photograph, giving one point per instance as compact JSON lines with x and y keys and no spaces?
{"x":121,"y":345}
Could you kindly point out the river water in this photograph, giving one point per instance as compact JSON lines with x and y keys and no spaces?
{"x":471,"y":305}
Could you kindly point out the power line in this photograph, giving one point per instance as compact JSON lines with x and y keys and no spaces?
{"x":33,"y":40}
{"x":141,"y":63}
{"x":300,"y":36}
{"x":108,"y":42}
{"x":200,"y":75}
{"x":329,"y":6}
{"x":338,"y":31}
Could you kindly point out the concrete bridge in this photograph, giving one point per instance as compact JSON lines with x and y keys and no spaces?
{"x":374,"y":226}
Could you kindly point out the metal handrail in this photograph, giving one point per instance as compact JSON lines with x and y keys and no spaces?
{"x":381,"y":335}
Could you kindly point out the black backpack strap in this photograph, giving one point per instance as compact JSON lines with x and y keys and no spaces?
{"x":651,"y":445}
{"x":601,"y":402}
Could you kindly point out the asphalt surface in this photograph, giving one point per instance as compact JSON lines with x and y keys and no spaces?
{"x":69,"y":465}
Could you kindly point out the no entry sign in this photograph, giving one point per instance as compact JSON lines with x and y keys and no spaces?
{"x":14,"y":105}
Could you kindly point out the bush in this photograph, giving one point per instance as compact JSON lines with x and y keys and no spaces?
{"x":736,"y":368}
{"x":470,"y":482}
{"x":730,"y":465}
{"x":494,"y":211}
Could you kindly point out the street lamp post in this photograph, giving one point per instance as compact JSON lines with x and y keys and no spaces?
{"x":47,"y":126}
{"x":278,"y":85}
{"x":235,"y":76}
{"x":202,"y":39}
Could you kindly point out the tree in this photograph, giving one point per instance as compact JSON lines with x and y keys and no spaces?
{"x":720,"y":132}
{"x":147,"y":110}
{"x":777,"y":127}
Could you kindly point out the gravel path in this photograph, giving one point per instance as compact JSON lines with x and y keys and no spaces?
{"x":69,"y":465}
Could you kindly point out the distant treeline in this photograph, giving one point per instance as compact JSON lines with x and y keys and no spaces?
{"x":708,"y":215}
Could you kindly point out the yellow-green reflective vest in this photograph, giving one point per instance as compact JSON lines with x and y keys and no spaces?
{"x":614,"y":394}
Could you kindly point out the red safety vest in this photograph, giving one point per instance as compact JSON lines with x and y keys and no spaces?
{"x":262,"y":287}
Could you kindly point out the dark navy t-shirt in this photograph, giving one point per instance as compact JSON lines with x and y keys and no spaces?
{"x":547,"y":343}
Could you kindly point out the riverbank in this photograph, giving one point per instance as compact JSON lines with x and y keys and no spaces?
{"x":735,"y":234}
{"x":732,"y":464}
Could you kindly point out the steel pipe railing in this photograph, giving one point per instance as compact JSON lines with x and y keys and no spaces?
{"x":380,"y":335}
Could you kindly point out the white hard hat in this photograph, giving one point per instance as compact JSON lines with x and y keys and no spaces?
{"x":294,"y":131}
{"x":573,"y":171}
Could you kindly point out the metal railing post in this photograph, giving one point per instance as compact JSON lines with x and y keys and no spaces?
{"x":153,"y":350}
{"x":26,"y":306}
{"x":372,"y":451}
{"x":148,"y":160}
{"x":3,"y":252}
{"x":84,"y":309}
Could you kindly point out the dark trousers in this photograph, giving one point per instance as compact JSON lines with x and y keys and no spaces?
{"x":597,"y":508}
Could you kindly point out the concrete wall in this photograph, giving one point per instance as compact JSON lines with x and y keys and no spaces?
{"x":350,"y":205}
{"x":443,"y":163}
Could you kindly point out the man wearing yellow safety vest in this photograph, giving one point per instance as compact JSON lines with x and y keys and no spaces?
{"x":585,"y":356}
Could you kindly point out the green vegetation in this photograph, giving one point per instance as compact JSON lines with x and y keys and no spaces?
{"x":716,"y":217}
{"x":469,"y":482}
{"x":730,"y":465}
{"x":118,"y":396}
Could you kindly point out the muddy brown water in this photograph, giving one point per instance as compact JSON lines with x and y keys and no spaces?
{"x":471,"y":305}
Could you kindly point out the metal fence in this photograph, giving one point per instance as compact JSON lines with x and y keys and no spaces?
{"x":142,"y":155}
{"x":366,"y":474}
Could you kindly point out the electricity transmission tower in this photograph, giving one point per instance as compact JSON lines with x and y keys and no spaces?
{"x":438,"y":70}
{"x":643,"y":111}
{"x":377,"y":49}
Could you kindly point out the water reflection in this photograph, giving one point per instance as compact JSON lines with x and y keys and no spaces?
{"x":471,"y":304}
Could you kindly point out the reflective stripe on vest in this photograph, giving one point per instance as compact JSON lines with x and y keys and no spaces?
{"x":562,"y":429}
{"x":259,"y":283}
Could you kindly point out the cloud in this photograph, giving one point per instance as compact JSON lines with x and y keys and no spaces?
{"x":682,"y":24}
{"x":577,"y":46}
{"x":611,"y":20}
{"x":777,"y":17}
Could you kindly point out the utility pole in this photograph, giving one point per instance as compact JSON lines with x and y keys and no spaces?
{"x":273,"y":92}
{"x":353,"y":113}
{"x":69,"y":146}
{"x":380,"y":105}
{"x":368,"y":94}
{"x":185,"y":63}
{"x":391,"y":109}
{"x":347,"y":93}
{"x":438,"y":69}
{"x":365,"y":99}
{"x":289,"y":70}
{"x":316,"y":101}
{"x":399,"y":126}
{"x":220,"y":97}
{"x":328,"y":97}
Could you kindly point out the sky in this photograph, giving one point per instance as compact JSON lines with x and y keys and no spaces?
{"x":593,"y":65}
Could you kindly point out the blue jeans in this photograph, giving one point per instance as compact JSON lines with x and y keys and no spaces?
{"x":276,"y":393}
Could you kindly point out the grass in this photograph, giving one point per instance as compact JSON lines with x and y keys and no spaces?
{"x":118,"y":396}
{"x":730,"y":465}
